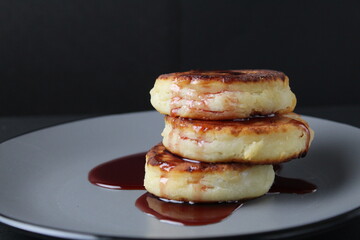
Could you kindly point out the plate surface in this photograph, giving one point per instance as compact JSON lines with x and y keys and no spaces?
{"x":44,"y":186}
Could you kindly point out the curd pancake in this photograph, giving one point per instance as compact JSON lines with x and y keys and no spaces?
{"x":261,"y":140}
{"x":219,"y":95}
{"x":171,"y":177}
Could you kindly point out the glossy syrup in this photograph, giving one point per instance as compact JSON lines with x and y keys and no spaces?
{"x":127,"y":173}
{"x":185,"y":213}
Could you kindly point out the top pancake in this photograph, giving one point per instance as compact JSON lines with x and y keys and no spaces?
{"x":222,"y":94}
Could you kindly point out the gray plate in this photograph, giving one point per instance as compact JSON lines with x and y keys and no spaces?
{"x":44,"y":187}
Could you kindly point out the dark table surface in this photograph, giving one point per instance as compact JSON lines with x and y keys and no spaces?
{"x":348,"y":229}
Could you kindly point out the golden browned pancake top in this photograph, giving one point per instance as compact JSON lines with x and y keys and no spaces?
{"x":159,"y":156}
{"x":257,"y":125}
{"x":245,"y":75}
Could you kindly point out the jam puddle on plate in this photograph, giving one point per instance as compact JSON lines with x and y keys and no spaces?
{"x":127,"y":173}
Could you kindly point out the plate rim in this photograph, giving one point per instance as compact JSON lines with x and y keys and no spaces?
{"x":86,"y":118}
{"x":302,"y":230}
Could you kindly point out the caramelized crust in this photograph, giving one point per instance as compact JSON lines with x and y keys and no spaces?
{"x":255,"y":125}
{"x":166,"y":161}
{"x":226,"y":76}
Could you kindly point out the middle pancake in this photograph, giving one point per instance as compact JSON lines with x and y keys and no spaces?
{"x":262,"y":140}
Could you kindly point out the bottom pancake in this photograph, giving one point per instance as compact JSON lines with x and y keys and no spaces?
{"x":171,"y":177}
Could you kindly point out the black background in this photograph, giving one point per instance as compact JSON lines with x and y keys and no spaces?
{"x":100,"y":57}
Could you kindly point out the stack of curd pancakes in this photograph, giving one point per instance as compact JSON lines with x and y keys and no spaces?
{"x":224,"y":131}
